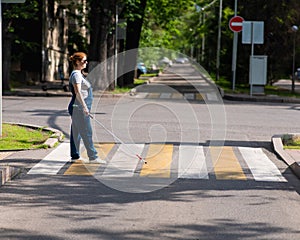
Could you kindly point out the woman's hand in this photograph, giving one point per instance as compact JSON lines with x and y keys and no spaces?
{"x":86,"y":111}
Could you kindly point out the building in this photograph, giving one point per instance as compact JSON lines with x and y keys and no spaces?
{"x":49,"y":62}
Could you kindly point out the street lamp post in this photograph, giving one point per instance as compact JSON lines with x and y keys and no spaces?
{"x":201,"y":10}
{"x":294,"y":29}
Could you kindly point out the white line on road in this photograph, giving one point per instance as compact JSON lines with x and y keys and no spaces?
{"x":54,"y":161}
{"x":123,"y":163}
{"x":192,"y":162}
{"x":262,"y":168}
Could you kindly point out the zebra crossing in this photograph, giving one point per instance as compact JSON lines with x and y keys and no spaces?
{"x":210,"y":96}
{"x":184,"y":161}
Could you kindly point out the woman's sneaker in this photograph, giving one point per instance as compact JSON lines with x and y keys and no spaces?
{"x":97,"y":160}
{"x":72,"y":160}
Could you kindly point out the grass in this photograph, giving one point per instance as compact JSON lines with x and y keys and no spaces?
{"x":136,"y":83}
{"x":15,"y":137}
{"x":245,"y":89}
{"x":291,"y":142}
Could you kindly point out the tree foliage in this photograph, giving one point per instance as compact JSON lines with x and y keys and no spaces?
{"x":16,"y":37}
{"x":176,"y":25}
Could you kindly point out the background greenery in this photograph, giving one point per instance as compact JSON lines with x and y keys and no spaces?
{"x":170,"y":24}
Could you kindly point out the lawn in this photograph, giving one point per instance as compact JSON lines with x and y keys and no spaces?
{"x":15,"y":137}
{"x":291,"y":142}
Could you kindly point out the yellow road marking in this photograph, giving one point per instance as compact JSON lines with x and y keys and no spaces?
{"x":177,"y":96}
{"x":80,"y":168}
{"x":159,"y":159}
{"x":199,"y":96}
{"x":226,"y":165}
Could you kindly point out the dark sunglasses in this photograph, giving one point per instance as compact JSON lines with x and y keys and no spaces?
{"x":84,"y":61}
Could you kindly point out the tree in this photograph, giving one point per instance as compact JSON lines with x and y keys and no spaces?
{"x":134,"y":10}
{"x":13,"y":16}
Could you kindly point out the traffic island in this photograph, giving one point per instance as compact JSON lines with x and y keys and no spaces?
{"x":8,"y":172}
{"x":290,"y":157}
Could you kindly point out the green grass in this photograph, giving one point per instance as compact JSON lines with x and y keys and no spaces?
{"x":136,"y":83}
{"x":291,"y":142}
{"x":15,"y":137}
{"x":245,"y":89}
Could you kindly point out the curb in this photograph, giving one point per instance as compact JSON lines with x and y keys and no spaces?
{"x":56,"y":137}
{"x":287,"y":158}
{"x":30,"y":93}
{"x":248,"y":98}
{"x":7,"y":173}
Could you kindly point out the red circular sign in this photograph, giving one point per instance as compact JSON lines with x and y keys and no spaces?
{"x":236,"y":24}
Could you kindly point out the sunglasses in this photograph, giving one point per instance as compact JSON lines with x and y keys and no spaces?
{"x":84,"y":61}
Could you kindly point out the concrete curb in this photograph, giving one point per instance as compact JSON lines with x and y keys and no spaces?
{"x":7,"y":173}
{"x":272,"y":99}
{"x":59,"y":93}
{"x":56,"y":137}
{"x":287,"y":158}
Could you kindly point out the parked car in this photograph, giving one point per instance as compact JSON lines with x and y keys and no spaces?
{"x":141,"y":69}
{"x":166,"y":61}
{"x":181,"y":60}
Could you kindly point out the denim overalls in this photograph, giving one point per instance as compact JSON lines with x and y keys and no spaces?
{"x":81,"y":125}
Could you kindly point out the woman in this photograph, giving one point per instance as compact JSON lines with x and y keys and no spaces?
{"x":79,"y":108}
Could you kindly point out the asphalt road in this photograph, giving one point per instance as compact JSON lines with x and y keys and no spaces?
{"x":76,"y":207}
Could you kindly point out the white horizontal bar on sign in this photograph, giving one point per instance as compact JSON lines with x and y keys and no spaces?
{"x":236,"y":24}
{"x":53,"y":162}
{"x":191,"y":162}
{"x":124,"y":161}
{"x":261,"y":167}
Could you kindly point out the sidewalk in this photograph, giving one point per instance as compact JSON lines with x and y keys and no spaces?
{"x":290,"y":157}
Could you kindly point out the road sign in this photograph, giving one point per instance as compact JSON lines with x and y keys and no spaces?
{"x":236,"y":24}
{"x":253,"y":32}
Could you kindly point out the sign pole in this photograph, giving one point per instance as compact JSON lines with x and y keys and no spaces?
{"x":234,"y":50}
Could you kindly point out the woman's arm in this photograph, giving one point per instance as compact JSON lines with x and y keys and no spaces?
{"x":79,"y":97}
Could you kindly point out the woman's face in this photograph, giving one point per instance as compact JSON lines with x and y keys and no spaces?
{"x":82,"y":64}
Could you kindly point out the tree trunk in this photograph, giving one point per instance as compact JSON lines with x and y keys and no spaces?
{"x":6,"y":53}
{"x":133,"y":33}
{"x":102,"y":19}
{"x":6,"y":64}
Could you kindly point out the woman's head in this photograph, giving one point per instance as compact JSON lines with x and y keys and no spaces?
{"x":79,"y":60}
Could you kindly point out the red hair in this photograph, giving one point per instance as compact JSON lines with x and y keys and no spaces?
{"x":77,"y":56}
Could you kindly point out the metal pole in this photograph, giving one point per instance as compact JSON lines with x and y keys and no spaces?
{"x":252,"y":54}
{"x":234,"y":51}
{"x":294,"y":29}
{"x":203,"y":40}
{"x":219,"y":40}
{"x":116,"y":46}
{"x":294,"y":53}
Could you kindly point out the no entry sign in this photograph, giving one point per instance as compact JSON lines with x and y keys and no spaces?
{"x":236,"y":24}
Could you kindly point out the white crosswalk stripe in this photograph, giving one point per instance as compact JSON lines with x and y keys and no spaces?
{"x":262,"y":168}
{"x":118,"y":166}
{"x":192,"y":162}
{"x":53,"y":162}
